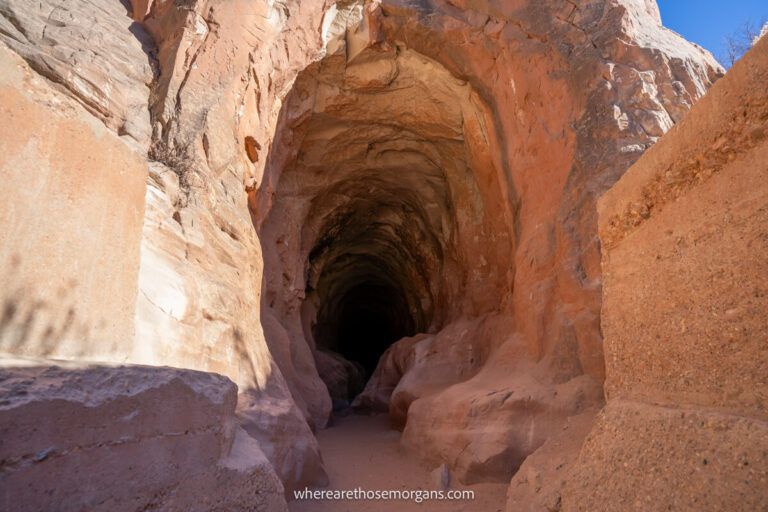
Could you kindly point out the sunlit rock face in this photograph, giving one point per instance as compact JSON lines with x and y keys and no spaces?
{"x":327,"y":178}
{"x":684,"y":235}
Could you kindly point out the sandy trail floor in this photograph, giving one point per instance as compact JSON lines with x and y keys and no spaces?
{"x":364,"y":452}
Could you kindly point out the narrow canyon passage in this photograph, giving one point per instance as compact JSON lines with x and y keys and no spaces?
{"x":365,"y":452}
{"x":427,"y":239}
{"x":369,"y":268}
{"x":388,"y":219}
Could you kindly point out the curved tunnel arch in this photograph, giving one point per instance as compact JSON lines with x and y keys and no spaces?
{"x":378,"y":226}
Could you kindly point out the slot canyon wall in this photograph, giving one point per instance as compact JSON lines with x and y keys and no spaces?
{"x":684,"y":240}
{"x":242,"y":187}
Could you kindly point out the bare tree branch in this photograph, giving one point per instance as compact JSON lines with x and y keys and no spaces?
{"x":737,"y":43}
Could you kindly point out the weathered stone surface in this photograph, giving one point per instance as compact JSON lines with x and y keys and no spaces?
{"x":486,"y":426}
{"x":343,"y":378}
{"x":684,"y":237}
{"x":196,"y":134}
{"x":93,"y":50}
{"x":71,"y":221}
{"x":127,"y":438}
{"x":384,"y":170}
{"x":197,"y":303}
{"x":183,"y":318}
{"x":298,"y":366}
{"x":482,"y":409}
{"x":454,"y":355}
{"x":538,"y":484}
{"x":645,"y":457}
{"x":393,"y":365}
{"x":271,"y":417}
{"x":685,"y":295}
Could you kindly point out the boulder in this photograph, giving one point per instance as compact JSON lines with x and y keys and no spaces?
{"x":393,"y":365}
{"x":285,"y":437}
{"x":344,"y":378}
{"x":126,"y":438}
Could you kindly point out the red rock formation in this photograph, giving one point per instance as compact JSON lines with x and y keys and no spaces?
{"x":70,"y":226}
{"x":685,"y":297}
{"x":443,"y":161}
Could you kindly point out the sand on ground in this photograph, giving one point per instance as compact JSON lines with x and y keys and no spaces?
{"x":365,"y":452}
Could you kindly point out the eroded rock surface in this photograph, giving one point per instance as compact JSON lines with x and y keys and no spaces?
{"x":685,"y":296}
{"x":271,"y":417}
{"x":394,"y":364}
{"x":451,"y":188}
{"x":197,"y":258}
{"x":93,"y":50}
{"x":484,"y":421}
{"x":71,"y":185}
{"x":539,"y":482}
{"x":127,"y":438}
{"x":343,"y":378}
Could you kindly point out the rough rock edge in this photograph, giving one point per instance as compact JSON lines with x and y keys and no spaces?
{"x":24,"y":389}
{"x":622,"y":212}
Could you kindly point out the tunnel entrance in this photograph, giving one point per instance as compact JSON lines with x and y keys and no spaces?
{"x":385,"y":216}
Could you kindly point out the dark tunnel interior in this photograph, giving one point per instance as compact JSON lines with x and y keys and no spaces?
{"x":377,"y":214}
{"x":369,"y":317}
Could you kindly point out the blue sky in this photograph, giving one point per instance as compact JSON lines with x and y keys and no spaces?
{"x":707,"y":22}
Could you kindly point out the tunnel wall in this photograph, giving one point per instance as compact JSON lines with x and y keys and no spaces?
{"x":685,"y":296}
{"x":390,"y":181}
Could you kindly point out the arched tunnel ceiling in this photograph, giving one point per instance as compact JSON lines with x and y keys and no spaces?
{"x":380,"y":208}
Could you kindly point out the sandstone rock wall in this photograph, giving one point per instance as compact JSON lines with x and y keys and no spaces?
{"x":685,"y":298}
{"x":639,"y":77}
{"x":70,"y":226}
{"x":196,"y":255}
{"x":93,"y":51}
{"x":126,"y":438}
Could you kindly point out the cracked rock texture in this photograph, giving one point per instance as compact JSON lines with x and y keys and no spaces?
{"x":93,"y":51}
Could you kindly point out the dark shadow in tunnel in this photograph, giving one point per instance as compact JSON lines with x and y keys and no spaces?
{"x":368,"y":319}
